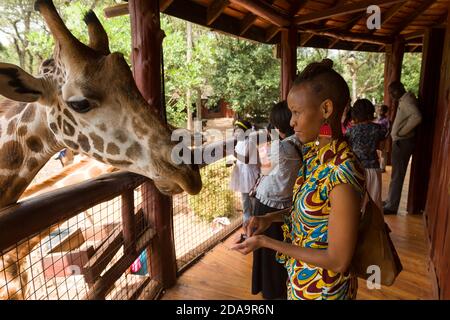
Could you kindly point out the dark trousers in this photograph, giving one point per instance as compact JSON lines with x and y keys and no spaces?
{"x":401,"y":153}
{"x":268,"y":276}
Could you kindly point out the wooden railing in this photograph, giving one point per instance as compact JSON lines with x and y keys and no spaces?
{"x":31,"y":217}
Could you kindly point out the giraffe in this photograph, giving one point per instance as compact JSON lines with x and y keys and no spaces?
{"x":98,"y":111}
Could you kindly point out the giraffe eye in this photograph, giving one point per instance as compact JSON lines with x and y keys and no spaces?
{"x":80,"y":106}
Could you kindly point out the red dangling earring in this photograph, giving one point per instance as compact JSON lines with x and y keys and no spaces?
{"x":325,"y":129}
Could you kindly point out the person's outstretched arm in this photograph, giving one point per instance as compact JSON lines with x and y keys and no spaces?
{"x":342,"y":235}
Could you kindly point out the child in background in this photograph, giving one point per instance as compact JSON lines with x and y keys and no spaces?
{"x":383,"y":120}
{"x":247,"y":168}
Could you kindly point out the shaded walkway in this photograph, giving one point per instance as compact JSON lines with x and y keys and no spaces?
{"x":226,"y":274}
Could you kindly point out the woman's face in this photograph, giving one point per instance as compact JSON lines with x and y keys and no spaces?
{"x":307,"y":117}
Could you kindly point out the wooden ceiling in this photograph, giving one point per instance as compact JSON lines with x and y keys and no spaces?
{"x":333,"y":24}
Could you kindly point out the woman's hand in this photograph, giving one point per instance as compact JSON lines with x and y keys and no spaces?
{"x":257,"y":225}
{"x":249,"y":245}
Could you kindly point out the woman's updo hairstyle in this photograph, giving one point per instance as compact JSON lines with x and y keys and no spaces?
{"x":326,"y":83}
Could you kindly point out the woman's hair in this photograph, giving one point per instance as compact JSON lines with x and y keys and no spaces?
{"x":280,"y":117}
{"x":326,"y":83}
{"x":243,"y":124}
{"x":363,"y":110}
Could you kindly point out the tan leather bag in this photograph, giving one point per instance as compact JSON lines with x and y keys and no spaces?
{"x":374,"y":246}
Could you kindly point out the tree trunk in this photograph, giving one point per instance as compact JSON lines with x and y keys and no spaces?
{"x":188,"y":60}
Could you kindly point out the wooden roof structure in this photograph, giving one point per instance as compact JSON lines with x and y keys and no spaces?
{"x":332,"y":24}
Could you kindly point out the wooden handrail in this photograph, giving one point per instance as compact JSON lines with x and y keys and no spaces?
{"x":33,"y":215}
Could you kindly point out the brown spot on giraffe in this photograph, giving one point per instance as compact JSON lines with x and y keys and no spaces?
{"x":7,"y":181}
{"x":120,"y":136}
{"x":112,"y":148}
{"x":11,"y":155}
{"x":134,"y":151}
{"x":83,"y":141}
{"x":119,"y":162}
{"x":32,"y":164}
{"x":29,"y":114}
{"x":102,"y":127}
{"x":22,"y":131}
{"x":11,"y":126}
{"x":138,"y":129}
{"x":70,"y":116}
{"x":71,"y":144}
{"x":99,"y":144}
{"x":13,"y":108}
{"x":54,"y":127}
{"x":19,"y":185}
{"x":35,"y":144}
{"x":68,"y":129}
{"x":98,"y":157}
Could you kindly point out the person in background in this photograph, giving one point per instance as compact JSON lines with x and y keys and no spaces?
{"x":364,"y":138}
{"x":382,"y":118}
{"x":273,"y":193}
{"x":247,"y":168}
{"x":408,"y":117}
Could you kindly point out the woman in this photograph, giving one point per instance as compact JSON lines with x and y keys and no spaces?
{"x":365,"y":137}
{"x":274,"y":192}
{"x":320,"y":233}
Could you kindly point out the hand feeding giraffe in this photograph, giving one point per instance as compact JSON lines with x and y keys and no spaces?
{"x":97,"y":111}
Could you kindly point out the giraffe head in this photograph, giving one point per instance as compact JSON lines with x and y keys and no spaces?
{"x":98,"y":110}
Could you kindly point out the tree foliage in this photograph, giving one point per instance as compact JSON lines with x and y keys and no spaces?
{"x":243,"y":73}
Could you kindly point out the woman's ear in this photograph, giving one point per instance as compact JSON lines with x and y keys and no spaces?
{"x":327,"y":108}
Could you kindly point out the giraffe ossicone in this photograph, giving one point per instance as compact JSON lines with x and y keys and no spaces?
{"x":91,"y":105}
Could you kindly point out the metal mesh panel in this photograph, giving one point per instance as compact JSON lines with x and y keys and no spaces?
{"x":56,"y":264}
{"x":203,"y":220}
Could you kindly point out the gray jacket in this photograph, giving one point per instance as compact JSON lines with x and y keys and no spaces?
{"x":275,"y":189}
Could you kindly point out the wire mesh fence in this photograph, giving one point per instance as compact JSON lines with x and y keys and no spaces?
{"x":87,"y":256}
{"x":203,"y":220}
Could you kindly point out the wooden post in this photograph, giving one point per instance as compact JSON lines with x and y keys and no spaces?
{"x":288,"y":59}
{"x":128,"y":222}
{"x":392,"y":72}
{"x":422,"y":156}
{"x":147,"y":39}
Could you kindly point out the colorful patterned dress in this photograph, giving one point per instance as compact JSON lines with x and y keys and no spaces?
{"x":307,"y":225}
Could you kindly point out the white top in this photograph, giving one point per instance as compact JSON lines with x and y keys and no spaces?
{"x":275,"y":189}
{"x":244,"y":176}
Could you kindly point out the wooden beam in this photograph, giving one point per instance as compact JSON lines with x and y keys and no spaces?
{"x":215,"y":10}
{"x":247,"y":22}
{"x":264,"y":11}
{"x":341,"y":10}
{"x":306,"y":39}
{"x":147,"y":38}
{"x":353,"y":22}
{"x":391,"y":13}
{"x":296,"y":7}
{"x":288,"y":60}
{"x":422,"y":8}
{"x":413,"y":35}
{"x":122,"y":9}
{"x":164,"y":4}
{"x":271,"y":32}
{"x":358,"y":45}
{"x":352,"y":37}
{"x":332,"y":44}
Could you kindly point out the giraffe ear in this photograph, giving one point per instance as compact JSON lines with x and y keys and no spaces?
{"x":18,"y":85}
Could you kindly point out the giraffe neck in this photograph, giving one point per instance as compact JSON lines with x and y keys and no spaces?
{"x":26,"y":144}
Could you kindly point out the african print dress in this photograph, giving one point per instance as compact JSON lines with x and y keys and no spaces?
{"x":307,"y":225}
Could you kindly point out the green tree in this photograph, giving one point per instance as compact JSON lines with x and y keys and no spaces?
{"x":247,"y":76}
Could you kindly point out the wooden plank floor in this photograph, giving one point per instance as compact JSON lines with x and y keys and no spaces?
{"x":223,"y":274}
